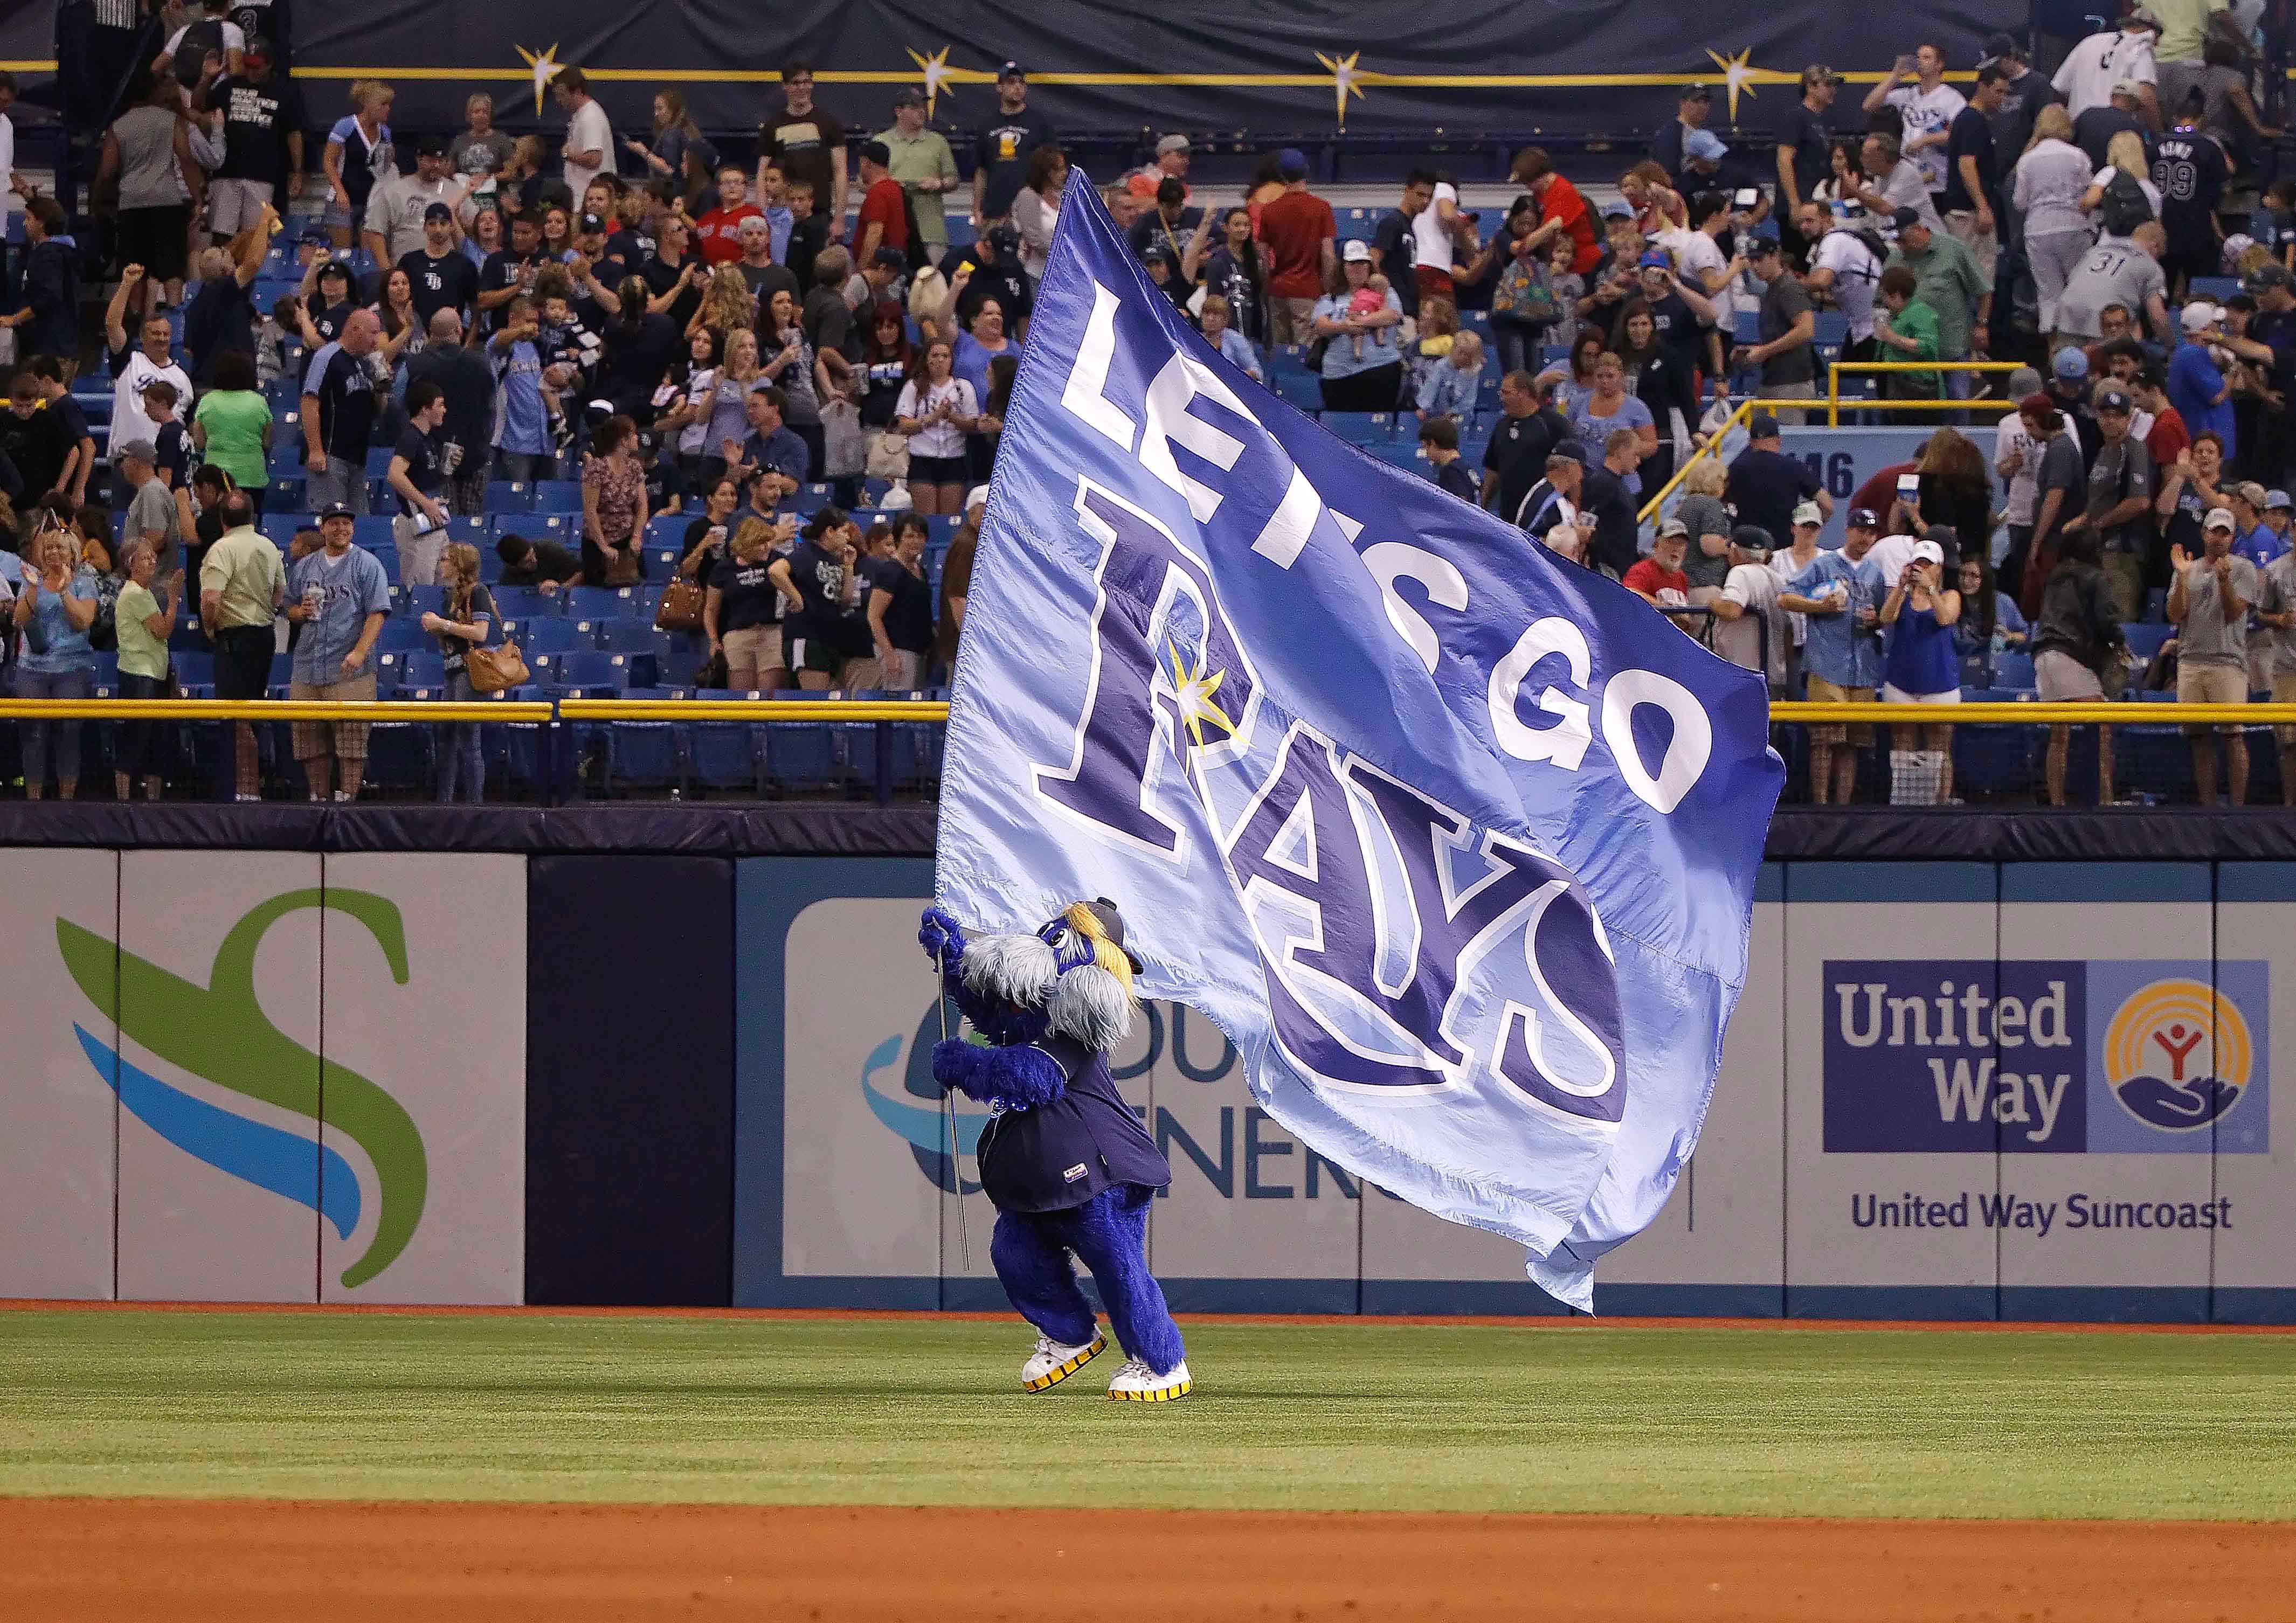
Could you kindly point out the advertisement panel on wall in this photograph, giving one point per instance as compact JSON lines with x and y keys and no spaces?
{"x":309,"y":1074}
{"x":1952,"y":1090}
{"x":60,"y":1096}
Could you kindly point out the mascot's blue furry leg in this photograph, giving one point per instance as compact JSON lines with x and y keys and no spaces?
{"x":1110,"y":1233}
{"x":1033,"y":1266}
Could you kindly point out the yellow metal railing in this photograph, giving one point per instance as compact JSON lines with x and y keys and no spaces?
{"x":267,"y":709}
{"x":1834,"y":369}
{"x":1832,"y":404}
{"x":2029,"y":713}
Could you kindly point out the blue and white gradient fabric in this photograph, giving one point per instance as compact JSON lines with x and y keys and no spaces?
{"x":1455,"y":840}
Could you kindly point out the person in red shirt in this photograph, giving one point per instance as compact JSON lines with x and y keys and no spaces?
{"x":1879,"y":493}
{"x":2169,"y":438}
{"x":1562,"y":209}
{"x":717,"y":234}
{"x":1297,"y":230}
{"x":884,"y":217}
{"x":1659,"y":579}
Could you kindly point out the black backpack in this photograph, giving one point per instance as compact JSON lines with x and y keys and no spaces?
{"x":199,"y":38}
{"x":2125,"y":206}
{"x":1870,"y":240}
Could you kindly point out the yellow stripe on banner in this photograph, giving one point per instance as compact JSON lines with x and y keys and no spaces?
{"x":1201,"y":81}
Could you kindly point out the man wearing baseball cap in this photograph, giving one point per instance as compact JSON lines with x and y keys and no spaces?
{"x":1842,"y":592}
{"x":439,"y":272}
{"x":2209,"y":603}
{"x":883,"y":220}
{"x":1000,"y":163}
{"x":2122,"y":482}
{"x":396,"y":211}
{"x":919,"y":158}
{"x":2271,"y":342}
{"x":2027,"y":93}
{"x":1805,"y":154}
{"x":1299,"y":231}
{"x":1690,"y":113}
{"x":1750,"y":630}
{"x":1658,"y":580}
{"x":1765,"y":483}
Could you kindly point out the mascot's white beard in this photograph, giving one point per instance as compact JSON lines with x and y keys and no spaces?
{"x":1086,"y":1004}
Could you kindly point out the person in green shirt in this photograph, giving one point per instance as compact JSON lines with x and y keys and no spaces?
{"x":1947,"y":279}
{"x":144,"y":623}
{"x":923,"y":165}
{"x":232,"y":425}
{"x":1908,"y":329}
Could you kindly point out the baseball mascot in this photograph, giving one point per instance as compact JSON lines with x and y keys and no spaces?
{"x":1067,"y":1163}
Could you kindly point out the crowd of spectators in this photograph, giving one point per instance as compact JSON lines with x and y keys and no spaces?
{"x":685,"y":331}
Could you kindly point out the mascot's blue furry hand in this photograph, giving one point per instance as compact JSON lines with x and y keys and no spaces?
{"x":942,"y":938}
{"x":1008,"y":1079}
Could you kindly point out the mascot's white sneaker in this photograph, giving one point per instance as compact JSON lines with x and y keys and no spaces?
{"x":1135,"y":1382}
{"x":1053,"y":1362}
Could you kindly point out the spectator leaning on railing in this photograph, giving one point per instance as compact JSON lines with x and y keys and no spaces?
{"x":242,"y":585}
{"x":464,"y":626}
{"x":143,"y":623}
{"x":341,"y":599}
{"x":2077,"y":652}
{"x":2209,"y":605}
{"x":1842,"y":592}
{"x":55,"y":606}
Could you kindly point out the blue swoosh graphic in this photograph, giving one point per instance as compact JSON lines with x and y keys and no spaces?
{"x":253,"y":1152}
{"x":926,"y":1129}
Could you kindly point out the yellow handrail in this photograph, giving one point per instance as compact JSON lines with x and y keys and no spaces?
{"x":267,"y":709}
{"x":1737,"y":419}
{"x":1834,"y":369}
{"x":2083,"y":713}
{"x":753,"y":710}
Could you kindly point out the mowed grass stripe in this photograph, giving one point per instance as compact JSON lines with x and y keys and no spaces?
{"x":1369,"y":1417}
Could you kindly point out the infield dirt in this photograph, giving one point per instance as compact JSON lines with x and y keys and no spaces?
{"x":199,"y":1560}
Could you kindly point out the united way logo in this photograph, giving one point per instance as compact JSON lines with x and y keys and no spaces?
{"x":2036,"y":1057}
{"x":2176,"y":1056}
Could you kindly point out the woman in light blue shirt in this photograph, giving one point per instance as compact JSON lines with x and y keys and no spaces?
{"x":55,"y":609}
{"x":1366,"y":377}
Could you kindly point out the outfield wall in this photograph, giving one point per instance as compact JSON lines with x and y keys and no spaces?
{"x":1956,"y":1090}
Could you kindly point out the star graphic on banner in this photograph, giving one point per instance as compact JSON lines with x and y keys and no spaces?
{"x":545,"y":67}
{"x":1343,"y":81}
{"x":1195,"y":691}
{"x":939,"y":76}
{"x":1736,"y":75}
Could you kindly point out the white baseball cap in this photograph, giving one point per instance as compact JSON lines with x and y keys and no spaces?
{"x":1809,"y":512}
{"x":1928,"y":552}
{"x":977,"y":496}
{"x":2220,"y":518}
{"x":1356,"y":251}
{"x":2200,"y":315}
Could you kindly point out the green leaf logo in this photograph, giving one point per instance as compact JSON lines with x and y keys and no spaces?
{"x":218,"y":1032}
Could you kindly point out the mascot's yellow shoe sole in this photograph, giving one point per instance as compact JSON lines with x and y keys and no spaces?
{"x":1137,"y":1383}
{"x":1052,"y":1363}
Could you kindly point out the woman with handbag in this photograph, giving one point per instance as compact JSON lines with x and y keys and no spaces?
{"x":613,"y":507}
{"x":144,"y":624}
{"x":466,"y":624}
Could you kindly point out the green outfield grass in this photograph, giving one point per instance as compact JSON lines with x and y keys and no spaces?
{"x":1370,"y":1416}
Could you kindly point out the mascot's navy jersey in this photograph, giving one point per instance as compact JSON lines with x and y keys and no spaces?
{"x":1055,"y":1156}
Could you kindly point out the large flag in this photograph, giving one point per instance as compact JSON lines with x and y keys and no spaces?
{"x":1454,"y":840}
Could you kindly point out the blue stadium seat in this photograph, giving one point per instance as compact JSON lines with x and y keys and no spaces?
{"x":418,"y":600}
{"x":373,"y":532}
{"x":378,"y":461}
{"x":1361,"y":428}
{"x":2013,"y":670}
{"x":419,"y":668}
{"x":280,"y":527}
{"x":558,"y":495}
{"x":399,"y":756}
{"x":527,"y":602}
{"x":546,"y":633}
{"x":510,"y":496}
{"x":192,"y":668}
{"x":602,"y":602}
{"x":283,"y":670}
{"x":513,"y":750}
{"x":646,"y":754}
{"x":2145,"y":639}
{"x":727,"y":755}
{"x":402,"y":634}
{"x":668,"y":529}
{"x":581,"y":673}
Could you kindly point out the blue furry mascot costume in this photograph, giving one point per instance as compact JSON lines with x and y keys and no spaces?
{"x":1066,"y":1162}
